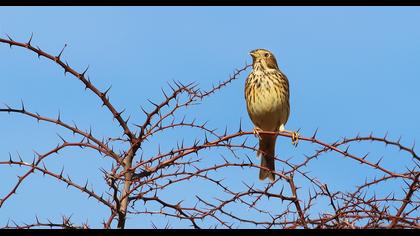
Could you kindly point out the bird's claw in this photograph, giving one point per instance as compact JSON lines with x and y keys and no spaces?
{"x":295,"y":138}
{"x":256,"y":132}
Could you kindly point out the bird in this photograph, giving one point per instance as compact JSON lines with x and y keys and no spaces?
{"x":267,"y":102}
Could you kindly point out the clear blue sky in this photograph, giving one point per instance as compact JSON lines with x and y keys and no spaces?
{"x":351,"y":69}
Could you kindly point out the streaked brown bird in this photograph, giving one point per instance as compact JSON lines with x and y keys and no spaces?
{"x":267,"y":101}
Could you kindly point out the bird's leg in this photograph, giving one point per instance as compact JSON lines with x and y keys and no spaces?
{"x":256,"y":132}
{"x":295,"y":138}
{"x":295,"y":135}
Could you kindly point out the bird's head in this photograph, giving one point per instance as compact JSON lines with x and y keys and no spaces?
{"x":264,"y":59}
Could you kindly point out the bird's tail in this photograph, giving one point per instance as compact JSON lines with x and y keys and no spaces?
{"x":266,"y":152}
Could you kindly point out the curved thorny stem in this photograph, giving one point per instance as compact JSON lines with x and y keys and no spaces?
{"x":151,"y":178}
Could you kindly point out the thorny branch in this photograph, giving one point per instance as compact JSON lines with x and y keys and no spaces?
{"x":143,"y":183}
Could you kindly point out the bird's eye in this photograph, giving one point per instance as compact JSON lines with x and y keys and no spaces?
{"x":267,"y":54}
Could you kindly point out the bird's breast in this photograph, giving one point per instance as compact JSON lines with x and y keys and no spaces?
{"x":267,"y":101}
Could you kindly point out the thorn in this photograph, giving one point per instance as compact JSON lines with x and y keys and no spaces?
{"x":23,"y":107}
{"x":8,"y":107}
{"x":377,"y":163}
{"x":9,"y":37}
{"x":20,"y":158}
{"x":59,"y":55}
{"x":246,"y":139}
{"x":249,"y":159}
{"x":281,"y":191}
{"x":315,"y":133}
{"x":196,"y":142}
{"x":61,"y":172}
{"x":10,"y":44}
{"x":205,"y":136}
{"x":39,"y":155}
{"x":10,"y":158}
{"x":177,"y":84}
{"x":164,"y":94}
{"x":15,"y":223}
{"x":84,"y":72}
{"x":204,"y":124}
{"x":39,"y":54}
{"x":399,"y":139}
{"x":365,"y":155}
{"x":144,"y":111}
{"x":37,"y":117}
{"x":30,"y":40}
{"x":75,"y":126}
{"x":346,"y":151}
{"x":43,"y":166}
{"x":106,"y":91}
{"x":64,"y":141}
{"x":240,"y":125}
{"x":173,"y":90}
{"x":153,"y":103}
{"x":66,"y":69}
{"x":88,"y":82}
{"x":119,"y":113}
{"x":126,"y":121}
{"x":59,"y":116}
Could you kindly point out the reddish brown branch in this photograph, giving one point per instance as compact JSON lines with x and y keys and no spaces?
{"x":412,"y":188}
{"x":34,"y":166}
{"x":153,"y":176}
{"x":102,"y":147}
{"x":81,"y":76}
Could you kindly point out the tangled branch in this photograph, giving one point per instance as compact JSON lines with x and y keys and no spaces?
{"x":296,"y":199}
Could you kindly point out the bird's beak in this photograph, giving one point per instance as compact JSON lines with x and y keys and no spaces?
{"x":253,"y":55}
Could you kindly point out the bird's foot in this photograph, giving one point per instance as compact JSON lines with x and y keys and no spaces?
{"x":294,"y":135}
{"x":295,"y":138}
{"x":256,"y":132}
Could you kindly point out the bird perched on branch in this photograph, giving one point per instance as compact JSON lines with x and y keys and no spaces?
{"x":267,"y":100}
